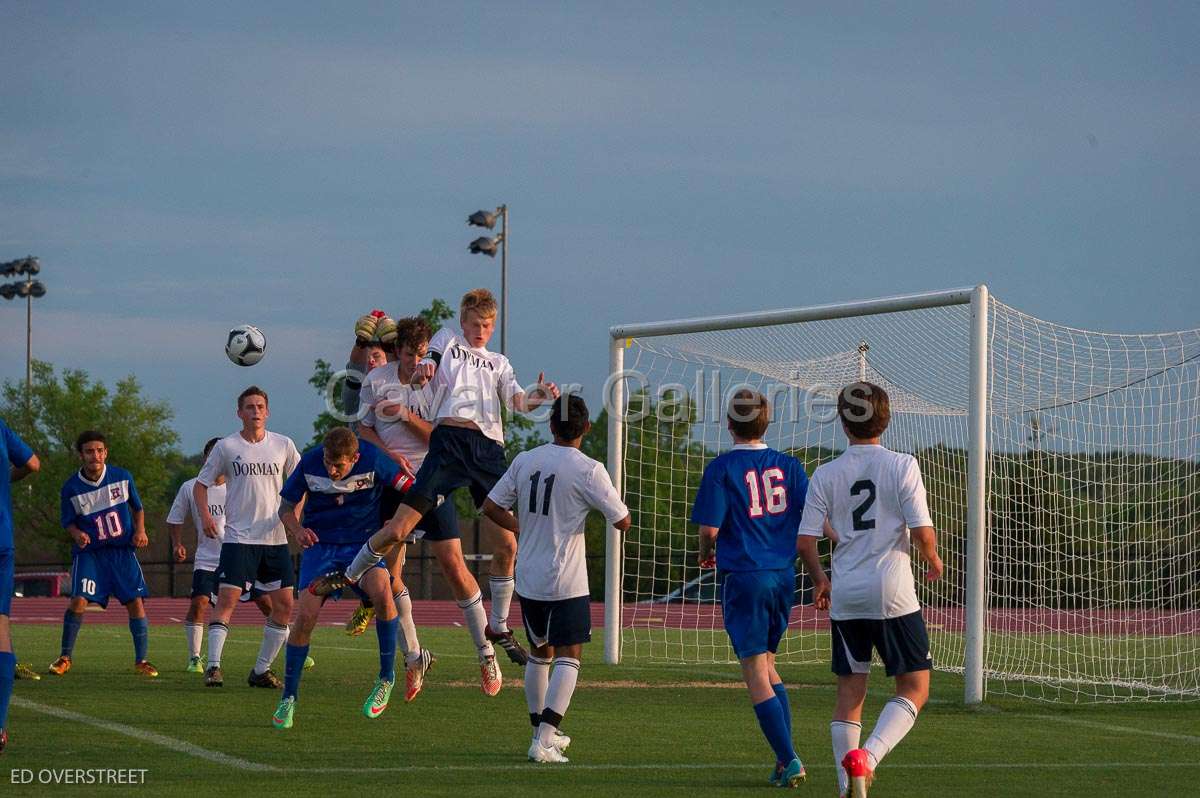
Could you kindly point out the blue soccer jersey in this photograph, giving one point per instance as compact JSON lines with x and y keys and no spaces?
{"x":345,"y":510}
{"x":754,"y":495}
{"x":103,"y":509}
{"x":15,"y":451}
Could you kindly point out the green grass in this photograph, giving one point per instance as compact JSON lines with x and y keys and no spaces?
{"x":664,"y":730}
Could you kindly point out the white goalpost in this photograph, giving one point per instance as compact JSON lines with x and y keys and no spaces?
{"x":1063,"y":468}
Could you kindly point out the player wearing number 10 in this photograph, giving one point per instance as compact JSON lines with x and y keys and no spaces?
{"x":748,"y":508}
{"x":103,"y":514}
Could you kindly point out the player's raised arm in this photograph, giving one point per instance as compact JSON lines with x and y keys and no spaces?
{"x":543,"y":393}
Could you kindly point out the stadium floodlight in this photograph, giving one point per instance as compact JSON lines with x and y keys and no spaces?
{"x":29,"y":289}
{"x":486,"y":245}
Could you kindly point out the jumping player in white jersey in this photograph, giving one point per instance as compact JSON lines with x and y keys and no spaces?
{"x":874,"y":499}
{"x":255,"y":464}
{"x":552,"y":489}
{"x":466,"y":449}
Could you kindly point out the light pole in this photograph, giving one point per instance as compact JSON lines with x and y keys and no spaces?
{"x":488,"y":246}
{"x":28,"y":288}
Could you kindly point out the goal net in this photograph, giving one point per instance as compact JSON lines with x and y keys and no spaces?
{"x":1091,"y":484}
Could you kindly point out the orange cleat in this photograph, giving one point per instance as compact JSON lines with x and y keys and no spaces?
{"x":144,"y":668}
{"x":489,"y":675}
{"x":60,"y":666}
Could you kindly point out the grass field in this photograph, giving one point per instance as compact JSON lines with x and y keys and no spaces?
{"x":637,"y":730}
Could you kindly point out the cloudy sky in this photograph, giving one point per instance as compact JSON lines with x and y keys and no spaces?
{"x":182,"y":168}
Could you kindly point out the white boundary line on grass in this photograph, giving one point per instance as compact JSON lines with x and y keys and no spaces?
{"x":1093,"y":724}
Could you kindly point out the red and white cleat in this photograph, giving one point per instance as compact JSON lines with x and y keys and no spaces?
{"x":489,"y":675}
{"x":858,"y":771}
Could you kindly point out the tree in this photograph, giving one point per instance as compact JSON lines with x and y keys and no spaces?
{"x":139,"y":435}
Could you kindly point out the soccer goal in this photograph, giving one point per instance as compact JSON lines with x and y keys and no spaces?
{"x":1063,"y":471}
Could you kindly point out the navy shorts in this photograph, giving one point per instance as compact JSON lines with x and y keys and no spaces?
{"x":243,"y":565}
{"x":8,"y":564}
{"x":322,"y":558}
{"x":756,"y":605}
{"x":205,"y":583}
{"x":902,"y":643}
{"x":107,"y":571}
{"x":458,"y":457}
{"x":557,"y":623}
{"x":440,"y":523}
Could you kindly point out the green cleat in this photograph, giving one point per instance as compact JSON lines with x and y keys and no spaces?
{"x":308,"y":663}
{"x":360,"y":620}
{"x":195,"y":665}
{"x":793,"y":775}
{"x":282,"y":719}
{"x":378,"y":700}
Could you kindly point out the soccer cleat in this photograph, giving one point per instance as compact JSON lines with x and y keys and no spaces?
{"x":414,"y":675}
{"x":360,"y":620}
{"x":776,"y":773}
{"x":543,"y":754}
{"x":377,"y":702}
{"x":560,"y":741}
{"x":61,"y":665}
{"x":490,"y":678}
{"x":3,"y":739}
{"x":309,"y":662}
{"x":25,"y":671}
{"x":329,"y":584}
{"x":213,"y":677}
{"x":793,"y":775}
{"x":265,"y":679}
{"x":282,"y":719}
{"x":144,"y":668}
{"x":509,"y":643}
{"x":195,"y":665}
{"x":858,"y":771}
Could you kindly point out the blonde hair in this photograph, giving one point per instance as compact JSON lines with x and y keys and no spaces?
{"x":481,"y":301}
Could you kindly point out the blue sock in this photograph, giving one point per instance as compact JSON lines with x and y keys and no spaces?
{"x":781,"y":694}
{"x":140,"y":629}
{"x":71,"y":624}
{"x":774,"y":727}
{"x":386,"y":632}
{"x":293,"y":669}
{"x":8,"y":666}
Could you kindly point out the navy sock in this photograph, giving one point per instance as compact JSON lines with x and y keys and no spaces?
{"x":774,"y":728}
{"x":8,"y":666}
{"x":140,"y":629}
{"x":71,"y":624}
{"x":386,"y":632}
{"x":294,"y":667}
{"x":781,"y":694}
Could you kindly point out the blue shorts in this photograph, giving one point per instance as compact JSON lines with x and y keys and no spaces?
{"x":756,"y":605}
{"x":902,"y":643}
{"x":322,"y":558}
{"x":7,"y":569}
{"x":458,"y":457}
{"x":107,"y":571}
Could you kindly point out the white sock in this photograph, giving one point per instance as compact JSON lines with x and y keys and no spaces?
{"x":476,"y":619}
{"x":537,"y":678}
{"x":274,"y":636}
{"x":217,"y":632}
{"x":194,"y":632}
{"x":406,"y":634}
{"x":845,"y":734}
{"x":364,"y":560}
{"x":558,"y":697}
{"x":502,"y":593}
{"x":897,"y":718}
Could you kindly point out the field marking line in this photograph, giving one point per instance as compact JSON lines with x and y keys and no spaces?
{"x":143,"y":735}
{"x":532,"y":768}
{"x":1094,"y":724}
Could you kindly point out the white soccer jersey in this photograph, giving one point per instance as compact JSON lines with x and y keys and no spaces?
{"x":254,"y":475}
{"x":383,"y":390}
{"x":470,"y":383}
{"x":871,"y":496}
{"x":208,"y":550}
{"x":551,"y":489}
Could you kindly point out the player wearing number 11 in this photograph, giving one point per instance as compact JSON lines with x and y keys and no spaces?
{"x":103,"y":514}
{"x":748,"y":508}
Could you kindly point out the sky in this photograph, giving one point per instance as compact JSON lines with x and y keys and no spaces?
{"x":184,"y":168}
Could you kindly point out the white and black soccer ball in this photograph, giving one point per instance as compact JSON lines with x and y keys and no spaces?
{"x":245,"y":345}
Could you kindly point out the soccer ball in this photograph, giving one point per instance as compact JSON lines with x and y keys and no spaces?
{"x":246,"y":345}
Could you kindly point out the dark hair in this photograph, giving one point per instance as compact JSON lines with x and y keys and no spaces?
{"x":864,"y":409}
{"x":340,"y":442}
{"x":569,"y":417}
{"x":749,"y":414}
{"x":208,"y":447}
{"x":412,"y":332}
{"x":88,"y":436}
{"x":253,"y":390}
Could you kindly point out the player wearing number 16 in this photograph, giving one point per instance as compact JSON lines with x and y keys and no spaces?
{"x":103,"y":514}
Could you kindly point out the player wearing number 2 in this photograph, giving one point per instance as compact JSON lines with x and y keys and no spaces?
{"x":103,"y":514}
{"x":874,"y":499}
{"x":748,"y":509}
